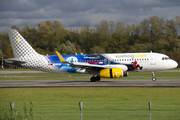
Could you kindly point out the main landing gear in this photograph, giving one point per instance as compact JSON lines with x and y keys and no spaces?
{"x":153,"y":76}
{"x":94,"y":79}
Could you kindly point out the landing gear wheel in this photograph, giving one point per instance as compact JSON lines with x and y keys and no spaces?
{"x":93,"y":79}
{"x":98,"y":78}
{"x":153,"y":79}
{"x":153,"y":76}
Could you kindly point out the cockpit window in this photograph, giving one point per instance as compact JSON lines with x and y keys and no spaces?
{"x":166,"y":58}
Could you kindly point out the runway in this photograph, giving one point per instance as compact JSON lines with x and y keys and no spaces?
{"x":86,"y":83}
{"x":169,"y":82}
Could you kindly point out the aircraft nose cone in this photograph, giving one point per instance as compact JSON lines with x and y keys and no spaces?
{"x":174,"y":64}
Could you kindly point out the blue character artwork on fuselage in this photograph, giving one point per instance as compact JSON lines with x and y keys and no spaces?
{"x":57,"y":64}
{"x":97,"y":59}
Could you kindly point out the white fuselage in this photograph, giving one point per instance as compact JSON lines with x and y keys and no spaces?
{"x":149,"y":61}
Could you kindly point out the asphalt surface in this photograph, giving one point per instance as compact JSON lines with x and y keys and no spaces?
{"x":86,"y":83}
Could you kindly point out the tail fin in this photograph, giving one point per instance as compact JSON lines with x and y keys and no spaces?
{"x":20,"y":46}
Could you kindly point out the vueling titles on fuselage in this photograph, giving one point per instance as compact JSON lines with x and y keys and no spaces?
{"x":130,"y":56}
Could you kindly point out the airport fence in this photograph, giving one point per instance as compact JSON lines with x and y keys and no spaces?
{"x":91,"y":110}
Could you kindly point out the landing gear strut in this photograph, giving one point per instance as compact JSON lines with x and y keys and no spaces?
{"x":94,"y":79}
{"x":153,"y":76}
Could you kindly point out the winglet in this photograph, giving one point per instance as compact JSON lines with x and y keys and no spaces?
{"x":60,"y":57}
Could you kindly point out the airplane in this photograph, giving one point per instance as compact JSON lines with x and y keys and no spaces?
{"x":113,"y":65}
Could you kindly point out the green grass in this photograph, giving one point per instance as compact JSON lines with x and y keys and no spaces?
{"x":98,"y":102}
{"x":158,"y":74}
{"x":45,"y":74}
{"x":176,"y":69}
{"x":16,"y":70}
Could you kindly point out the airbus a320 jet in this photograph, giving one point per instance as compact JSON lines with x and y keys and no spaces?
{"x":114,"y":65}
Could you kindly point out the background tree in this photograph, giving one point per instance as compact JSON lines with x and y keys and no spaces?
{"x":1,"y":54}
{"x":154,"y":33}
{"x":156,"y":28}
{"x":97,"y":50}
{"x":51,"y":35}
{"x":4,"y":43}
{"x":66,"y":48}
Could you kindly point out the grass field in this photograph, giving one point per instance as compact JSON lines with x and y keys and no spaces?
{"x":16,"y":70}
{"x":99,"y":103}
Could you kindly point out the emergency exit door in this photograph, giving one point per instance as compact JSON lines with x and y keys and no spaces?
{"x":153,"y":59}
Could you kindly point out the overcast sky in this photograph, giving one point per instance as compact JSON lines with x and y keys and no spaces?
{"x":76,"y":13}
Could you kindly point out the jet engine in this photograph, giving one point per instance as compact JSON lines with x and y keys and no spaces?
{"x":113,"y":73}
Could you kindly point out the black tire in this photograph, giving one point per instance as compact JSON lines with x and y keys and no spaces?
{"x":98,"y":78}
{"x":93,"y":79}
{"x":154,"y":79}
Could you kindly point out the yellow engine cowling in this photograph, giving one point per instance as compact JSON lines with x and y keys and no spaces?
{"x":113,"y":73}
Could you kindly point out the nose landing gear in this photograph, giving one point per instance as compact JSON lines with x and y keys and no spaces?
{"x":153,"y":76}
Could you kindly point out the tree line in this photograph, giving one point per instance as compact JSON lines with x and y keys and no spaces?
{"x":152,"y":34}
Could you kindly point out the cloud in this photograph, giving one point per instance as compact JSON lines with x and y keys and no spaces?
{"x":17,"y":5}
{"x":78,"y":13}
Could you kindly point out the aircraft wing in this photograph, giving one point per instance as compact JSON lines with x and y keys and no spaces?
{"x":86,"y":65}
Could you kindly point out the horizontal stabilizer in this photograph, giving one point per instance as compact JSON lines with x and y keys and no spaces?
{"x":14,"y":61}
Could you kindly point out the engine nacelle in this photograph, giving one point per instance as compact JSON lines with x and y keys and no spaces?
{"x":112,"y":73}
